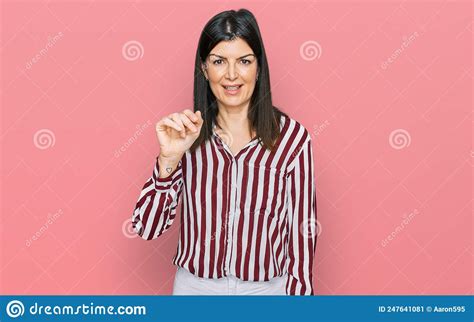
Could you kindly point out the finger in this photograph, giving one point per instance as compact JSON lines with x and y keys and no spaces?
{"x":187,"y":122}
{"x":199,"y":115}
{"x":169,"y":122}
{"x":177,"y":119}
{"x":191,"y":115}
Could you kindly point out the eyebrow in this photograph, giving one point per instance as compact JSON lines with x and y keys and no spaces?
{"x":226,"y":58}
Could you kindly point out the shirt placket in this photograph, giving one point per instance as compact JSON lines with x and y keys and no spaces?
{"x":232,"y":204}
{"x":231,"y":214}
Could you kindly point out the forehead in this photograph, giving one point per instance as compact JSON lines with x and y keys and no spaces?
{"x":232,"y":48}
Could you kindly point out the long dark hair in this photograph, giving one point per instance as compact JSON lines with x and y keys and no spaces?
{"x":263,"y":116}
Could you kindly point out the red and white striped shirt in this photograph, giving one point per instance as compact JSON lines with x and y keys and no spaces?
{"x":252,"y":215}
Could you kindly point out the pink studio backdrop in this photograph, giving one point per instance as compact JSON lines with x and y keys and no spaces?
{"x":384,"y":88}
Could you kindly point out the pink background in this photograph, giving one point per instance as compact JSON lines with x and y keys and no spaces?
{"x":384,"y":87}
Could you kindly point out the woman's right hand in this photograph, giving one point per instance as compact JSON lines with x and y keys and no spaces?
{"x":177,"y":132}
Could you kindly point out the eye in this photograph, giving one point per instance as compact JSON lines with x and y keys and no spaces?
{"x":217,"y":62}
{"x":245,"y":61}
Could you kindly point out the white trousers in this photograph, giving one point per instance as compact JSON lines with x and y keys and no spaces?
{"x":186,"y":283}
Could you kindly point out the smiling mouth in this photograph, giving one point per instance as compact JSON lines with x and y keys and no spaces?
{"x":232,"y":88}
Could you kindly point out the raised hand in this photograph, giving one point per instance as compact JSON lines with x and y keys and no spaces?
{"x":176,"y":133}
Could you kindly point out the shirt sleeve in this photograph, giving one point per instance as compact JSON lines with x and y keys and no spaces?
{"x":302,"y":225}
{"x":155,"y":210}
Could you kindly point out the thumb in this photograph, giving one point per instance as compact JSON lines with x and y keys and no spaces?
{"x":198,"y":114}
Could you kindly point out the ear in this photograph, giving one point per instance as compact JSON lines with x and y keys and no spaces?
{"x":204,"y":70}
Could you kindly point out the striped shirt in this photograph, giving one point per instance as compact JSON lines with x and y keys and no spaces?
{"x":252,"y":215}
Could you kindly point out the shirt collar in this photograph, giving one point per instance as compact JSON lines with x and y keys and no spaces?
{"x":213,"y":128}
{"x":214,"y":133}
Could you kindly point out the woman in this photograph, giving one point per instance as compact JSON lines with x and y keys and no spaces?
{"x":245,"y":170}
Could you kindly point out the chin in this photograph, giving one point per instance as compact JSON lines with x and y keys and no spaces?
{"x":233,"y":102}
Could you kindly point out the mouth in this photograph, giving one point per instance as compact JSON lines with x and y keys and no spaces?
{"x":232,"y":89}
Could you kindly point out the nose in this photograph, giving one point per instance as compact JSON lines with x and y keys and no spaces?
{"x":231,"y":72}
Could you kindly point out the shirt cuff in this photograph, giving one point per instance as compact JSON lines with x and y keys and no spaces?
{"x":165,"y":183}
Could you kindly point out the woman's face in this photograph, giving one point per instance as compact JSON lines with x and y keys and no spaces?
{"x":231,"y":68}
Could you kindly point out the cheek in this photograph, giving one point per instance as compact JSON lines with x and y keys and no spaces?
{"x":249,"y":75}
{"x":250,"y":81}
{"x":216,"y":76}
{"x":217,"y":89}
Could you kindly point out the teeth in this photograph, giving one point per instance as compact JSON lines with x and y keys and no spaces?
{"x":232,"y":88}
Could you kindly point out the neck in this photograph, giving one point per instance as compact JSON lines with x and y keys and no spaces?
{"x":233,"y":119}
